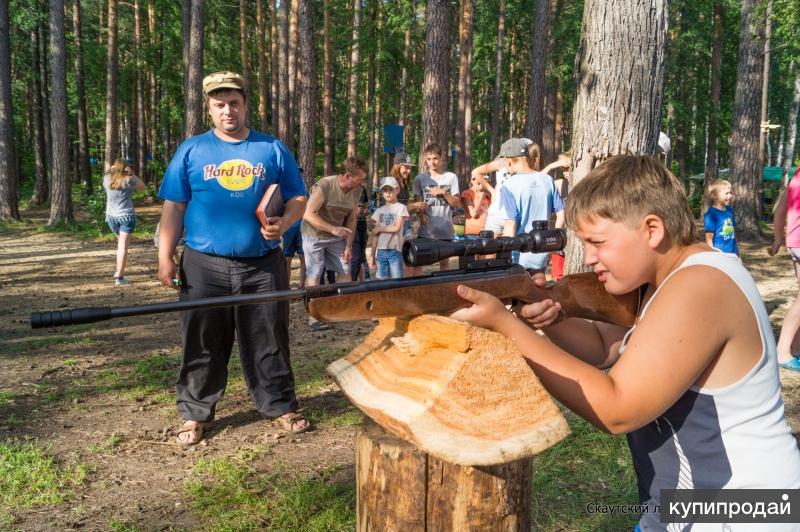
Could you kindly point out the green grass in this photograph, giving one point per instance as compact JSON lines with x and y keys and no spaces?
{"x":7,"y":397}
{"x":309,"y":369}
{"x":29,"y":478}
{"x":108,"y":446}
{"x":229,"y":494}
{"x":589,"y":467}
{"x":93,"y":228}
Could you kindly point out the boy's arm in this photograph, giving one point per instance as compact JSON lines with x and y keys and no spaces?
{"x":710,"y":239}
{"x":672,"y":347}
{"x":561,"y":219}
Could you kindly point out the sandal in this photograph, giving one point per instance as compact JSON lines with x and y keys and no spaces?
{"x":288,"y":421}
{"x":196,"y":431}
{"x":792,"y":364}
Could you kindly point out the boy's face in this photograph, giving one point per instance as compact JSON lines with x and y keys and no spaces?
{"x":389,"y":194}
{"x":616,"y":252}
{"x":433,"y":161}
{"x":725,"y":196}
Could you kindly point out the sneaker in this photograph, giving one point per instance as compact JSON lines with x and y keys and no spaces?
{"x":319,"y":326}
{"x":119,"y":281}
{"x":792,"y":364}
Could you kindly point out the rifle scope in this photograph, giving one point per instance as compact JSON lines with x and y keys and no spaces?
{"x":424,"y":251}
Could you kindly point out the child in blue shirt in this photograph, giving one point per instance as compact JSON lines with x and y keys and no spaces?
{"x":719,"y":221}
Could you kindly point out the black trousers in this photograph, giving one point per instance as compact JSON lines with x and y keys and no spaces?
{"x":262,"y":332}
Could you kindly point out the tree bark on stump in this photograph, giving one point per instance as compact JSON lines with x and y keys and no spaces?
{"x":400,"y":487}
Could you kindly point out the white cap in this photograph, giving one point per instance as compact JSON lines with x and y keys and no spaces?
{"x":389,"y":181}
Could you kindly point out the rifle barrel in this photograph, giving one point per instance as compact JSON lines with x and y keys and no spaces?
{"x":58,"y":318}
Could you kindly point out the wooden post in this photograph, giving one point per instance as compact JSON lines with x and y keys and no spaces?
{"x":400,"y":487}
{"x":433,"y":456}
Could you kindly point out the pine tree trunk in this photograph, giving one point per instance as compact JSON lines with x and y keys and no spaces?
{"x":45,"y":98}
{"x":243,"y":38}
{"x":558,"y":132}
{"x":292,"y":70}
{"x":549,"y":129}
{"x":61,"y":198}
{"x":498,"y":78}
{"x":9,"y":205}
{"x":283,"y":77}
{"x":327,"y":92}
{"x":80,"y":95}
{"x":763,"y":139}
{"x":403,"y":108}
{"x":352,"y":115}
{"x":308,"y":92}
{"x":263,"y":88}
{"x":110,"y":151}
{"x":141,"y":126}
{"x":713,"y":116}
{"x":791,"y":128}
{"x":462,"y":166}
{"x":275,"y":71}
{"x":186,"y":33}
{"x":41,"y":186}
{"x":618,"y":104}
{"x":194,"y":78}
{"x":534,"y":122}
{"x":745,"y":164}
{"x":436,"y":87}
{"x":369,"y":103}
{"x":153,"y":90}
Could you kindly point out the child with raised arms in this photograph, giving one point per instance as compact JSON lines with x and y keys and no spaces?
{"x":694,"y":383}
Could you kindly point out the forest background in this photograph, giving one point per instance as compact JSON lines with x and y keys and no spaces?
{"x":122,"y":79}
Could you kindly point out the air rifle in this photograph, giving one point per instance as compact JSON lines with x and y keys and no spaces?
{"x":580,"y":295}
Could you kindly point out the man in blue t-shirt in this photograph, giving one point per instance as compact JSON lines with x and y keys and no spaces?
{"x":211,"y":189}
{"x":526,"y":197}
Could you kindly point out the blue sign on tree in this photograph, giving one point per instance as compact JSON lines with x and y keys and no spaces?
{"x":392,"y":138}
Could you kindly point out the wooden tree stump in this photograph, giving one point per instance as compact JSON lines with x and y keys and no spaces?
{"x":460,"y":393}
{"x":401,"y":488}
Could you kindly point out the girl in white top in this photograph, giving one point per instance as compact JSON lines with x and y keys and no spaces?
{"x":120,"y":185}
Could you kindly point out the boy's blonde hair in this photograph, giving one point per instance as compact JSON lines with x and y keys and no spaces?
{"x":626,"y":188}
{"x":715,"y":187}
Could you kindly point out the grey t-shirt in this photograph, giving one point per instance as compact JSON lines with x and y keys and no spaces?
{"x":119,"y":202}
{"x":387,"y":216}
{"x":439,"y":211}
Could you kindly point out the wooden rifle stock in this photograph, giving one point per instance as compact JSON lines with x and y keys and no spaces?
{"x":580,"y":295}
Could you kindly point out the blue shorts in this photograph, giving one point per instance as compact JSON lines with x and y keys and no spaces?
{"x":121,"y":224}
{"x":292,"y":242}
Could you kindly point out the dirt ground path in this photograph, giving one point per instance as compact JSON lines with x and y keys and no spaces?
{"x":99,"y":394}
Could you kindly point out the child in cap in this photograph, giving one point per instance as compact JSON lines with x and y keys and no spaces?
{"x":694,"y":383}
{"x":387,"y":242}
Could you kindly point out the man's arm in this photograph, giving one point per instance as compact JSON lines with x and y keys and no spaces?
{"x":170,"y":230}
{"x":312,"y":216}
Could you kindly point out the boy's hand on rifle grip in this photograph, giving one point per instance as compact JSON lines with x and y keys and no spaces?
{"x":540,"y":314}
{"x":486,"y":311}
